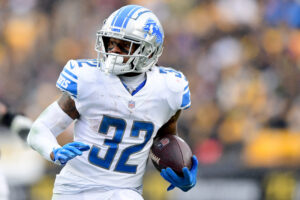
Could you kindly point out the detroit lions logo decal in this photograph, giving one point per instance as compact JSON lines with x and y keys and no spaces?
{"x":152,"y":28}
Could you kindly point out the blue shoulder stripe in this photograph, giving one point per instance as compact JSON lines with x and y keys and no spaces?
{"x":70,"y":73}
{"x":189,"y":105}
{"x":67,"y":85}
{"x":186,"y":100}
{"x":186,"y":87}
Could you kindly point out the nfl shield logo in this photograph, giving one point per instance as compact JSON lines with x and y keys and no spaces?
{"x":163,"y":142}
{"x":131,"y":104}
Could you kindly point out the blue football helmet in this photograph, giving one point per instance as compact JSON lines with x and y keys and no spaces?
{"x":140,"y":27}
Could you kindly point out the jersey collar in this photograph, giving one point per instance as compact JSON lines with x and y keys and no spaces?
{"x":138,"y":88}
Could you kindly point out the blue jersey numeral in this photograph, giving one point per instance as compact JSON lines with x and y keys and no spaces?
{"x":163,"y":70}
{"x":135,"y":132}
{"x":90,"y":62}
{"x":113,"y":144}
{"x":119,"y":125}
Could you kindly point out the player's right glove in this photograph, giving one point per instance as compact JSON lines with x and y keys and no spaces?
{"x":63,"y":154}
{"x":184,"y":183}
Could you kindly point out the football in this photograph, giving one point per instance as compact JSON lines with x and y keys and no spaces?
{"x":171,"y":151}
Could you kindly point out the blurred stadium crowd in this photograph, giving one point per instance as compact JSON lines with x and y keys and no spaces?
{"x":242,"y":59}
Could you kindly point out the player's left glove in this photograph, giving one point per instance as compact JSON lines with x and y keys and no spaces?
{"x":63,"y":154}
{"x":186,"y":182}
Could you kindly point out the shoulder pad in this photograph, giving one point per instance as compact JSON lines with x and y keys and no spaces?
{"x":175,"y":80}
{"x":75,"y":73}
{"x":179,"y":85}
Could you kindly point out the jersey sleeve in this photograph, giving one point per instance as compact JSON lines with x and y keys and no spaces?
{"x":178,"y":85}
{"x":68,"y":79}
{"x":185,"y":97}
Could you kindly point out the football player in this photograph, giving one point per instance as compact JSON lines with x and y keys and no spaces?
{"x":120,"y":102}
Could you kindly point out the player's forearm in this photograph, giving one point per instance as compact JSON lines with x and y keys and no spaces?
{"x":42,"y":136}
{"x":41,"y":139}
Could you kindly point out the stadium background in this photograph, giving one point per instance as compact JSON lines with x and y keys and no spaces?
{"x":242,"y":59}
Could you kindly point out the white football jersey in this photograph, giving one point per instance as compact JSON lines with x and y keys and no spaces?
{"x":118,"y":126}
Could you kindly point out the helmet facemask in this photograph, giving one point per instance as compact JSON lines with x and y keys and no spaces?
{"x":113,"y":63}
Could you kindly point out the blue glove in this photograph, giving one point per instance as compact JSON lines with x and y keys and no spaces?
{"x":69,"y":151}
{"x":184,"y":183}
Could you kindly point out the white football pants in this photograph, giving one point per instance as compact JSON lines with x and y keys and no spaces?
{"x":117,"y":194}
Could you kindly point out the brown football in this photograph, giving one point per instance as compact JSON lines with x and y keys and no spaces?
{"x":171,"y":151}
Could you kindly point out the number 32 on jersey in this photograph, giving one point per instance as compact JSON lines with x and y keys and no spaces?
{"x":120,"y":126}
